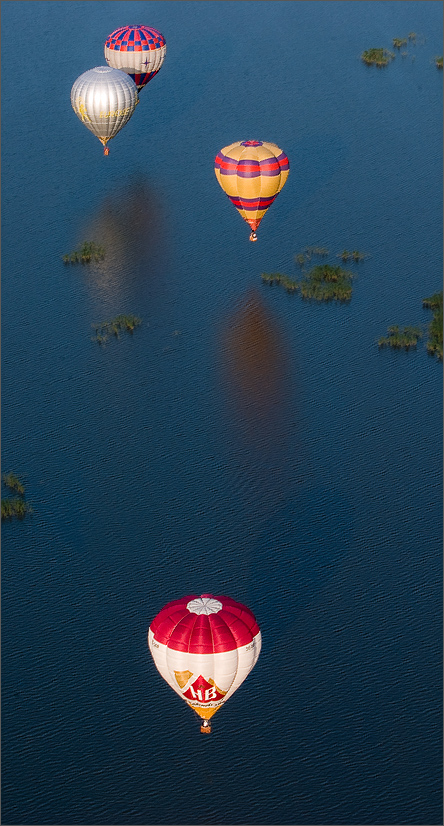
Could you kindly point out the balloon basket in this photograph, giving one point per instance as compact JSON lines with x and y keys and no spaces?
{"x":205,"y":728}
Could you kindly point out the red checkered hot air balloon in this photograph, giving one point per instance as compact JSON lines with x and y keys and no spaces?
{"x":137,"y":50}
{"x":204,"y":647}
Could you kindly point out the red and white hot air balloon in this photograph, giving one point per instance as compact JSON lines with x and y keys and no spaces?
{"x":204,"y":647}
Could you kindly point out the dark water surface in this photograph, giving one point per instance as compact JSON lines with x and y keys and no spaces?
{"x":242,"y":441}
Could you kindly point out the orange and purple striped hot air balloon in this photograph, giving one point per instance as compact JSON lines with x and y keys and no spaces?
{"x":252,"y":173}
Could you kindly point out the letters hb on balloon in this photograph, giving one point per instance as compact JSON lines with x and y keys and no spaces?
{"x":203,"y":691}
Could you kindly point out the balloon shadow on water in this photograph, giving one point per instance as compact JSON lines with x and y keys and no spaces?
{"x":131,"y":225}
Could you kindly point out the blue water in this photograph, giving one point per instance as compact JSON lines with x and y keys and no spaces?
{"x":242,"y":441}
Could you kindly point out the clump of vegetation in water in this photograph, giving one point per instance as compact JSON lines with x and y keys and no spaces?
{"x":356,"y":255}
{"x":278,"y":278}
{"x":303,"y":257}
{"x":327,"y":283}
{"x":434,"y":343}
{"x":416,"y":39}
{"x":16,"y":507}
{"x":89,"y":251}
{"x":377,"y":57}
{"x":438,"y":62}
{"x":321,"y":251}
{"x":399,"y":41}
{"x":401,"y":339}
{"x":322,"y":283}
{"x":11,"y":481}
{"x":125,"y":323}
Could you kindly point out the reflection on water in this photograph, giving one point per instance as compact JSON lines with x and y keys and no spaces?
{"x":261,"y":399}
{"x":130,"y":225}
{"x":256,"y":367}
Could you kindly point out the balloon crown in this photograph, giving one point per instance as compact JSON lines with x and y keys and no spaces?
{"x":251,"y":143}
{"x":206,"y":604}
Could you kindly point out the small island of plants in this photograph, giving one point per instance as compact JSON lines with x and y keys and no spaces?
{"x":406,"y":338}
{"x":121,"y":323}
{"x":322,"y":283}
{"x":381,"y":57}
{"x":305,"y":256}
{"x":399,"y":338}
{"x":377,"y":57}
{"x":17,"y":508}
{"x":435,"y":343}
{"x":11,"y":481}
{"x":14,"y":507}
{"x":355,"y":255}
{"x":89,"y":251}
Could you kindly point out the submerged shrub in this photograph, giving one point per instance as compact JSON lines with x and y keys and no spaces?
{"x":401,"y":339}
{"x":17,"y":508}
{"x":377,"y":57}
{"x":11,"y":481}
{"x":435,"y":328}
{"x":323,"y":283}
{"x":127,"y":323}
{"x":89,"y":251}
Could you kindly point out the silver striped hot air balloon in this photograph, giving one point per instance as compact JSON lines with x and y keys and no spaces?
{"x":104,"y":100}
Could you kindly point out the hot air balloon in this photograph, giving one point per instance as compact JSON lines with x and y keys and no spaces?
{"x":204,"y":647}
{"x":104,"y":99}
{"x":137,"y":50}
{"x":251,"y":173}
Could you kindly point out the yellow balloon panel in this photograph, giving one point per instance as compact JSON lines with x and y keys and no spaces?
{"x":205,"y":713}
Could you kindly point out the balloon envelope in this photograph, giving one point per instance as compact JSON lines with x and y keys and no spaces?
{"x":104,"y":99}
{"x":137,"y":50}
{"x":251,"y":173}
{"x":204,"y":647}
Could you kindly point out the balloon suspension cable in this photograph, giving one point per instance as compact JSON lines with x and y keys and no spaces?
{"x":205,"y":727}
